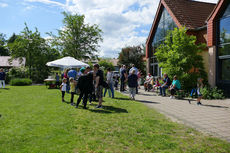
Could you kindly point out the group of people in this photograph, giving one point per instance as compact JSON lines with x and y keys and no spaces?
{"x":132,"y":77}
{"x":89,"y":83}
{"x":173,"y":86}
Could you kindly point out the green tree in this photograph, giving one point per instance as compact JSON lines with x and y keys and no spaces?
{"x":179,"y":55}
{"x":133,"y":55}
{"x":76,"y":38}
{"x":104,"y":63}
{"x":3,"y":47}
{"x":37,"y":52}
{"x":12,"y":38}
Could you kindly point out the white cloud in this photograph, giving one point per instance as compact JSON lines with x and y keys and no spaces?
{"x":3,"y":5}
{"x":120,"y":20}
{"x":49,"y":2}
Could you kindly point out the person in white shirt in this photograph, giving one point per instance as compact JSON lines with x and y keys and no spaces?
{"x":63,"y":87}
{"x":109,"y":78}
{"x":133,"y":68}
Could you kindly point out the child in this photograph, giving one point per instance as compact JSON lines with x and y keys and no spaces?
{"x":199,"y":87}
{"x":63,"y":88}
{"x":132,"y":83}
{"x":72,"y":89}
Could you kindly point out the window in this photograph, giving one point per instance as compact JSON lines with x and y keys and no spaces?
{"x":165,"y":24}
{"x":224,"y":46}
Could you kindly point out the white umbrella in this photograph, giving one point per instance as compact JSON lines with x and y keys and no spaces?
{"x":67,"y":62}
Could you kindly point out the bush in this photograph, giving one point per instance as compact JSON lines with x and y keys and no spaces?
{"x":19,"y":72}
{"x":20,"y":82}
{"x":212,"y":93}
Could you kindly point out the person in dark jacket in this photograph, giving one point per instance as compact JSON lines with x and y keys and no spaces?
{"x":85,"y":85}
{"x":2,"y":78}
{"x":123,"y":78}
{"x":132,"y":83}
{"x":165,"y":85}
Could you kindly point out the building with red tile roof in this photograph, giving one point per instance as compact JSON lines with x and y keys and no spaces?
{"x":202,"y":20}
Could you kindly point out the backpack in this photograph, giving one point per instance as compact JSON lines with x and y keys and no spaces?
{"x":105,"y":85}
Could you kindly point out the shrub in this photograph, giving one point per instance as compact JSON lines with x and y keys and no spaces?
{"x":212,"y":93}
{"x":20,"y":82}
{"x":18,"y":72}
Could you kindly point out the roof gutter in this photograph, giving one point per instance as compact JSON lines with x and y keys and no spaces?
{"x":199,"y":28}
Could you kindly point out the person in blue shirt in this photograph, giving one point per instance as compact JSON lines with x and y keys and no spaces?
{"x":165,"y":85}
{"x":175,"y":86}
{"x":72,"y":73}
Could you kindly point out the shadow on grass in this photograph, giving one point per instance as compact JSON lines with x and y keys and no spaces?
{"x":5,"y":88}
{"x":120,"y":98}
{"x":108,"y":110}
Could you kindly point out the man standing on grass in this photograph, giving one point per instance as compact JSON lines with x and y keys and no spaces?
{"x":136,"y":72}
{"x":132,"y":83}
{"x":85,"y":85}
{"x":2,"y":78}
{"x":99,"y":78}
{"x":123,"y":78}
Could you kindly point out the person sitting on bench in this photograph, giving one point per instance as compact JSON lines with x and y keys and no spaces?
{"x":174,"y":86}
{"x":165,"y":86}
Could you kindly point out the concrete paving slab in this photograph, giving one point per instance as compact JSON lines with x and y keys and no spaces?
{"x":213,"y":117}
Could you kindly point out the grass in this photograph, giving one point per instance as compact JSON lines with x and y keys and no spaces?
{"x":34,"y":120}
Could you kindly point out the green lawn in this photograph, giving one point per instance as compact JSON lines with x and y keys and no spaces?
{"x":34,"y":120}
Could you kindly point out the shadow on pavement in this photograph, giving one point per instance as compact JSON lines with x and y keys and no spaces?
{"x":215,"y":106}
{"x":144,"y":94}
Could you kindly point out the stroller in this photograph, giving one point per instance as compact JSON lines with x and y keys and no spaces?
{"x":148,"y":86}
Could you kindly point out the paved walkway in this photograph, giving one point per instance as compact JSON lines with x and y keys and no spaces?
{"x":213,"y":117}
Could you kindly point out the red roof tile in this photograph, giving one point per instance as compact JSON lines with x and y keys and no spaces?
{"x":191,"y":14}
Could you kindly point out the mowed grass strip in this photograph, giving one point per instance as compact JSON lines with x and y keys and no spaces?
{"x":33,"y":119}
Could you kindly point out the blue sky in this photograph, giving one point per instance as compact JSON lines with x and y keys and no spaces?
{"x":124,"y":22}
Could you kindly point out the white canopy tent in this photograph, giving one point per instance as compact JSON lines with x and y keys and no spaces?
{"x":67,"y":62}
